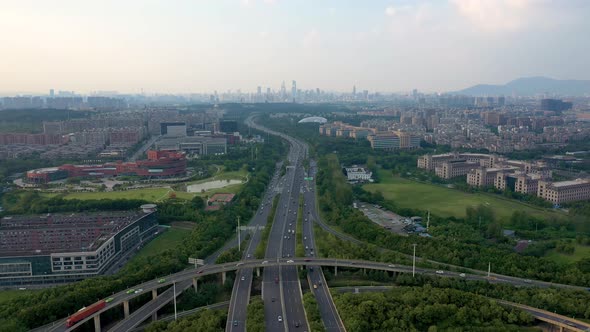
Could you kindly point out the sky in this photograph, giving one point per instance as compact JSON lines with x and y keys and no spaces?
{"x":191,"y":46}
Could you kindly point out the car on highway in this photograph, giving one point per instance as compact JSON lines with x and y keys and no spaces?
{"x":528,"y":281}
{"x":243,"y":278}
{"x":138,"y":291}
{"x":462,"y":275}
{"x":296,"y":324}
{"x":307,"y":260}
{"x":110,"y":299}
{"x":235,"y":323}
{"x":273,"y":299}
{"x":439,"y":272}
{"x":290,"y":261}
{"x":161,"y":280}
{"x":280,"y":318}
{"x":265,"y":262}
{"x":276,"y":280}
{"x":315,"y":286}
{"x":131,"y":291}
{"x":239,"y":264}
{"x":391,"y":265}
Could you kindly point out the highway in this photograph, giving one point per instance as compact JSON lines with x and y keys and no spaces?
{"x":188,"y":274}
{"x":319,"y":287}
{"x":281,"y":285}
{"x":238,"y":305}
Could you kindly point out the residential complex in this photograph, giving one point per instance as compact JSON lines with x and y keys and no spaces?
{"x":381,"y":138}
{"x":58,"y":248}
{"x":483,"y":170}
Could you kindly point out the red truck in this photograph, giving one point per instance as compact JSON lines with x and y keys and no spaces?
{"x":85,"y":312}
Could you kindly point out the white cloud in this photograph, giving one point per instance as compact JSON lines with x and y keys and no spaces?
{"x":390,"y":11}
{"x":311,"y":39}
{"x":496,"y":15}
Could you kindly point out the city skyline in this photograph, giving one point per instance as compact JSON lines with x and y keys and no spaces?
{"x":387,"y":46}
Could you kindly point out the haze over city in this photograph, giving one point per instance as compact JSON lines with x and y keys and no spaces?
{"x":202,"y":46}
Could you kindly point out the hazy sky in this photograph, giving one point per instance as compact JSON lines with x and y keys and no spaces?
{"x":201,"y":46}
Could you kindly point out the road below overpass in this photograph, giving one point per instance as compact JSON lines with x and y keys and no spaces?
{"x":319,"y":287}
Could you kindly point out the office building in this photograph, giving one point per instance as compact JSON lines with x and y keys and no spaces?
{"x":173,"y":129}
{"x":59,"y":248}
{"x":564,"y":191}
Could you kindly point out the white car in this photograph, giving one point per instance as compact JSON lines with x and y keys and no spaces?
{"x":290,"y":261}
{"x":439,"y":272}
{"x":138,"y":291}
{"x":462,"y":275}
{"x":243,"y":278}
{"x":391,"y":265}
{"x":265,"y":262}
{"x":280,"y":318}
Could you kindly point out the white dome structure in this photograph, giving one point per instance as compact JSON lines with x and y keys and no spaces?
{"x":313,"y":119}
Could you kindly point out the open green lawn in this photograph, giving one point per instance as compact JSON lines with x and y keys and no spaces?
{"x":579,"y":253}
{"x":149,"y":194}
{"x":168,"y":239}
{"x":160,"y":193}
{"x":443,"y":201}
{"x":7,"y":295}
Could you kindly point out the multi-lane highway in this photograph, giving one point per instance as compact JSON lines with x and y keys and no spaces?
{"x":236,"y":318}
{"x":281,"y":289}
{"x":188,"y":274}
{"x":317,"y":281}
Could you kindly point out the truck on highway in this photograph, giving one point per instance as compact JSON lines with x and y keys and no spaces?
{"x":85,"y":312}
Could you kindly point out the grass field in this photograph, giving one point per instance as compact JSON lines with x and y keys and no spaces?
{"x":168,"y":239}
{"x":443,"y":201}
{"x":7,"y":295}
{"x":148,"y":194}
{"x":579,"y":253}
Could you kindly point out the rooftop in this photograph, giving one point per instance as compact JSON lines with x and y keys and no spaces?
{"x":54,"y":233}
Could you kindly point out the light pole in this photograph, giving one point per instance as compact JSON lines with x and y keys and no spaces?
{"x":239,"y":236}
{"x":175,"y":314}
{"x":414,"y":261}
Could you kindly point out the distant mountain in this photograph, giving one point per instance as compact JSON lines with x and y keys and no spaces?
{"x":529,"y":86}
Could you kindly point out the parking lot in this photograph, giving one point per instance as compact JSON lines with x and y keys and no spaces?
{"x":384,"y":218}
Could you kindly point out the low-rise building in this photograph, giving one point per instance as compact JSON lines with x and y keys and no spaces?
{"x":564,"y":191}
{"x":356,"y":173}
{"x":59,"y":248}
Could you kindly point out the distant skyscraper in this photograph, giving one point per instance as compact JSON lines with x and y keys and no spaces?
{"x":283,"y":91}
{"x":294,"y":90}
{"x":415,"y":93}
{"x":51,"y":93}
{"x":354,"y":90}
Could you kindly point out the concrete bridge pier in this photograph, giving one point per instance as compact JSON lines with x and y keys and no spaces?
{"x":223,"y":277}
{"x":258,"y":272}
{"x":336,"y":271}
{"x":154,"y":294}
{"x":126,"y":309}
{"x":97,"y":323}
{"x":195,"y":284}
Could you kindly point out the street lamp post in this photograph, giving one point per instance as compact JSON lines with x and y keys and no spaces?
{"x":414,"y":261}
{"x":239,"y":236}
{"x":175,"y":314}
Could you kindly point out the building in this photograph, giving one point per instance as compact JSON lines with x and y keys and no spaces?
{"x":198,"y":145}
{"x":555,"y":105}
{"x":158,"y":165}
{"x":484,"y":176}
{"x":218,"y":200}
{"x":173,"y":129}
{"x":564,"y":191}
{"x":454,"y":168}
{"x":228,"y":126}
{"x":384,"y":141}
{"x":356,"y":173}
{"x":59,"y":248}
